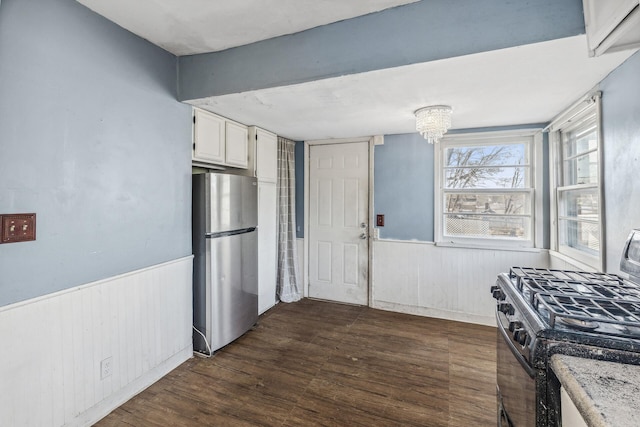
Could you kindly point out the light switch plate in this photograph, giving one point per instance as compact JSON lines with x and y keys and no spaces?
{"x":17,"y":227}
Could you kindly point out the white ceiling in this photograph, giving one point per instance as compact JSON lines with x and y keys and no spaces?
{"x":521,"y":85}
{"x":187,"y":27}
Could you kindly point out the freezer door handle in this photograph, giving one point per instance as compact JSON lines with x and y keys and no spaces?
{"x":230,"y":233}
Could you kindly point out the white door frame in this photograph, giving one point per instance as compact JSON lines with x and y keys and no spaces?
{"x":372,"y":140}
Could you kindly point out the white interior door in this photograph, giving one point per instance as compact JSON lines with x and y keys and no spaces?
{"x":338,"y":228}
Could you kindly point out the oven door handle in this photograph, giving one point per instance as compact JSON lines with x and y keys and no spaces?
{"x":501,"y":317}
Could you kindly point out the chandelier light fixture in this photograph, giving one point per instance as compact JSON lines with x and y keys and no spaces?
{"x":433,"y":122}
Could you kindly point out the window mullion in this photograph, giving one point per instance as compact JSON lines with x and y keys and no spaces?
{"x":580,"y":154}
{"x":578,"y":219}
{"x":488,"y":190}
{"x":497,"y":215}
{"x":578,"y":187}
{"x":504,"y":166}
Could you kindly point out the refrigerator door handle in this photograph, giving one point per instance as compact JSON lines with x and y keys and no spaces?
{"x":230,"y":233}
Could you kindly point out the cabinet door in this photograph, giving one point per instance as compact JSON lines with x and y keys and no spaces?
{"x":237,"y":145}
{"x":267,"y":245}
{"x":611,"y":25}
{"x":208,"y":137}
{"x":266,"y":156}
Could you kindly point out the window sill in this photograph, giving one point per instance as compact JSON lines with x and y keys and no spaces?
{"x":420,"y":242}
{"x":579,"y":265}
{"x":488,"y":247}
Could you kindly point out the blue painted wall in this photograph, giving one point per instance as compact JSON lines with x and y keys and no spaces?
{"x":403,"y":187}
{"x":94,"y":142}
{"x":419,"y":32}
{"x":621,"y":146}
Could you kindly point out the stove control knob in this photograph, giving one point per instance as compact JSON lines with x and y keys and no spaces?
{"x":506,"y":308}
{"x":514,"y":325}
{"x":520,"y":336}
{"x":516,"y":333}
{"x":497,"y":293}
{"x":523,"y":338}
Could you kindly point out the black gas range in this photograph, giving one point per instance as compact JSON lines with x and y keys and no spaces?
{"x":541,"y":312}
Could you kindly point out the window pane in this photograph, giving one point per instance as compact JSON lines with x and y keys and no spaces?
{"x":584,"y":236}
{"x":495,"y":203}
{"x":487,"y":226}
{"x":582,"y":169}
{"x":487,"y":155}
{"x":491,"y":177}
{"x":581,"y":140}
{"x":580,"y":204}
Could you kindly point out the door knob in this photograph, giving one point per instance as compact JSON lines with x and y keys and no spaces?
{"x":363,"y":236}
{"x":363,"y":225}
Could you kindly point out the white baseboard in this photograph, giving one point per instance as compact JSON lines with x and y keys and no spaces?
{"x":436,"y":313}
{"x":106,"y":406}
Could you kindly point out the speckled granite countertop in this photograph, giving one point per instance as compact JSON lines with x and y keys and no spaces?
{"x":607,"y":394}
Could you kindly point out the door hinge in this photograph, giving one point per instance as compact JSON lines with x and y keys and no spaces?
{"x":194,"y":145}
{"x":194,"y":119}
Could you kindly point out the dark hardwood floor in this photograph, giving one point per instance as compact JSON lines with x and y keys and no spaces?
{"x":316,"y":363}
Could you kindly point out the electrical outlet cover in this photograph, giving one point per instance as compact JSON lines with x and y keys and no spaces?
{"x":105,"y":368}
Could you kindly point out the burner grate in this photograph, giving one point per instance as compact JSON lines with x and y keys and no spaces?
{"x":581,"y":299}
{"x":531,"y":281}
{"x":605,"y":310}
{"x":598,"y":289}
{"x":523,"y":274}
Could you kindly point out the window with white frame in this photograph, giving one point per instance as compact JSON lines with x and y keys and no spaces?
{"x":487,"y":189}
{"x":575,"y":151}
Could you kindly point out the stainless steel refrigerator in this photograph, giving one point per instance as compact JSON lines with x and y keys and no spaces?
{"x":225,"y":265}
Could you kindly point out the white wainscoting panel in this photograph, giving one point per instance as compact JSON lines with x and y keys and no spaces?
{"x":52,"y":346}
{"x":445,"y":282}
{"x":300,"y":250}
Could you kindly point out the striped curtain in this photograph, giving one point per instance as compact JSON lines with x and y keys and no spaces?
{"x":287,"y":286}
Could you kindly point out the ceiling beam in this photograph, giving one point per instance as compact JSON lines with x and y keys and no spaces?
{"x":419,"y":32}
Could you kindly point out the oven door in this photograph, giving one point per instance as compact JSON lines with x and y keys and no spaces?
{"x":516,"y":382}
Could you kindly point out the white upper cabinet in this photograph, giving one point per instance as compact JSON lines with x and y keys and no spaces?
{"x":611,"y":25}
{"x":237,"y":146}
{"x":219,"y":141}
{"x":208,"y":137}
{"x":222,"y":142}
{"x":266,"y":154}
